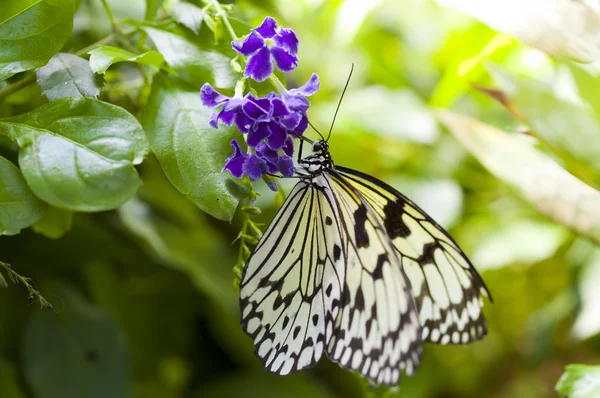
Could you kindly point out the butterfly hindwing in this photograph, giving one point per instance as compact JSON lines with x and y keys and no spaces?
{"x":377,"y":331}
{"x":445,"y":285}
{"x":291,"y":286}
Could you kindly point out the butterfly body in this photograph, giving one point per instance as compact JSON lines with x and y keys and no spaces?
{"x":352,"y":269}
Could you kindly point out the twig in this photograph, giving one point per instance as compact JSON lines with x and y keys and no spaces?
{"x":33,"y":292}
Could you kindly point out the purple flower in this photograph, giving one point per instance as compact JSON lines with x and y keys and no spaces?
{"x":231,"y":111}
{"x":240,"y":163}
{"x":265,"y":44}
{"x":280,"y":160}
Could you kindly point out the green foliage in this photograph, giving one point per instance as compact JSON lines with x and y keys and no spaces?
{"x":112,"y":195}
{"x":580,"y":381}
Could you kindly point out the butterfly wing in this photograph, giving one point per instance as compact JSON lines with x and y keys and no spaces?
{"x":377,"y":331}
{"x":446,"y":287}
{"x":292,"y":283}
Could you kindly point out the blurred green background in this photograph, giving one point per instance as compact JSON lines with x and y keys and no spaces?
{"x":143,"y":294}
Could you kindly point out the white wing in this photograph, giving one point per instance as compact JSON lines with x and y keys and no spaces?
{"x":291,"y":285}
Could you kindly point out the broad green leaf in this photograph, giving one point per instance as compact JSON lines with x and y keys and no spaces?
{"x":579,"y":381}
{"x":101,"y":58}
{"x":194,"y":64}
{"x":9,"y":380}
{"x":561,"y":28}
{"x":190,"y":151}
{"x":588,"y":84}
{"x":18,"y":207}
{"x":67,"y":75}
{"x":54,"y":223}
{"x":188,"y":15}
{"x":32,"y":31}
{"x":539,"y":179}
{"x":79,"y":153}
{"x":564,"y":125}
{"x":77,"y":352}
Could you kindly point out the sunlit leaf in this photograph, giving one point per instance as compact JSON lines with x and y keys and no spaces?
{"x":102,"y":57}
{"x":580,"y":381}
{"x":547,"y":186}
{"x":79,"y":153}
{"x":190,"y":151}
{"x":18,"y":207}
{"x":77,"y":352}
{"x":562,"y":124}
{"x":194,"y":64}
{"x":561,"y":28}
{"x":587,"y":323}
{"x":32,"y":31}
{"x":588,"y":84}
{"x":67,"y":75}
{"x":54,"y":223}
{"x":188,"y":15}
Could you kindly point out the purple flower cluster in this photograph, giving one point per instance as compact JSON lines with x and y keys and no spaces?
{"x":269,"y":122}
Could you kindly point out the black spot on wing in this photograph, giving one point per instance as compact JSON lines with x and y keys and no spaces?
{"x":315,"y":319}
{"x":337,"y":251}
{"x":328,"y":220}
{"x":393,"y":223}
{"x":360,"y":232}
{"x":359,"y":300}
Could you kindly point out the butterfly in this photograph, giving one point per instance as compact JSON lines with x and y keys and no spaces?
{"x":353,"y":269}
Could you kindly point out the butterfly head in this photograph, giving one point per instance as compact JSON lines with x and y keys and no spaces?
{"x":320,"y":146}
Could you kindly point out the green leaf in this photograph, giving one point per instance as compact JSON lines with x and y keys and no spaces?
{"x":67,"y":75}
{"x":564,"y":125}
{"x":539,"y":179}
{"x":193,"y":63}
{"x":588,"y":84}
{"x":32,"y":31}
{"x":152,"y":7}
{"x":18,"y":207}
{"x":101,"y":58}
{"x":566,"y":29}
{"x":9,"y":381}
{"x":79,"y":153}
{"x":188,"y":15}
{"x":54,"y":223}
{"x":579,"y":381}
{"x":189,"y":150}
{"x":77,"y":352}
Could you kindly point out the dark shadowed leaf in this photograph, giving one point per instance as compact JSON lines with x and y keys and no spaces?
{"x":191,"y":152}
{"x":563,"y":124}
{"x":54,"y":223}
{"x":561,"y":28}
{"x":67,"y":75}
{"x":32,"y":31}
{"x":9,"y":382}
{"x":18,"y":207}
{"x":539,"y":179}
{"x":580,"y":381}
{"x":101,"y":58}
{"x":188,"y":15}
{"x":79,"y":153}
{"x":77,"y":352}
{"x":194,"y":64}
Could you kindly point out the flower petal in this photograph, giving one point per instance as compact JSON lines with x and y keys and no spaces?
{"x":211,"y":97}
{"x":242,"y":122}
{"x":267,"y":28}
{"x":279,"y":108}
{"x":253,"y":167}
{"x":249,"y":45}
{"x":285,"y":165}
{"x":287,"y":39}
{"x":257,"y":109}
{"x":272,"y":185}
{"x":226,"y":117}
{"x":277,"y":136}
{"x":309,"y":88}
{"x":236,"y":160}
{"x":301,"y":127}
{"x":214,"y":117}
{"x":284,"y":60}
{"x":288,"y":147}
{"x":296,"y":102}
{"x":291,"y":122}
{"x":257,"y":134}
{"x":259,"y":66}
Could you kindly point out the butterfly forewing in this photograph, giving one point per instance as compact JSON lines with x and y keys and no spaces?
{"x":291,"y":287}
{"x":446,"y":287}
{"x":377,"y":331}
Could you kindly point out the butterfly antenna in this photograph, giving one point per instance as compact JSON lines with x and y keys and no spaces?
{"x":314,"y":128}
{"x":340,"y":102}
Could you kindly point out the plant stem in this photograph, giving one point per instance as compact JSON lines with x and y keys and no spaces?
{"x":223,"y":15}
{"x":33,"y":293}
{"x":111,"y":17}
{"x":16,"y":86}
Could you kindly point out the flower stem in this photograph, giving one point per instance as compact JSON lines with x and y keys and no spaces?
{"x":223,"y":15}
{"x":33,"y":293}
{"x":111,"y":17}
